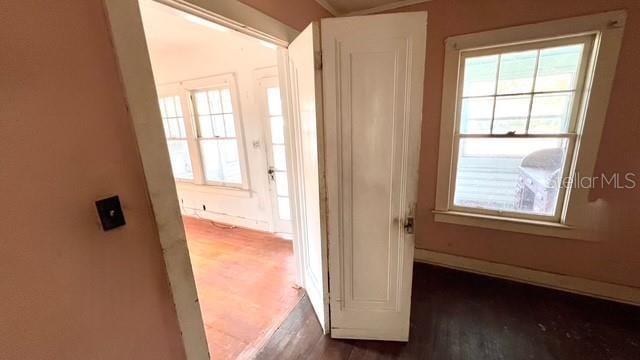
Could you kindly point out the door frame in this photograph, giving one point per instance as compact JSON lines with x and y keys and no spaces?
{"x":127,"y":34}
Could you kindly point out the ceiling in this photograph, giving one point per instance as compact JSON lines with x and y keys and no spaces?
{"x":346,"y":7}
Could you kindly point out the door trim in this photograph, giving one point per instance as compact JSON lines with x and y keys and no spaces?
{"x":132,"y":55}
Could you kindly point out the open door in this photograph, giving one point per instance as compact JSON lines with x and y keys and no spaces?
{"x":373,"y":78}
{"x":365,"y":141}
{"x":307,"y":163}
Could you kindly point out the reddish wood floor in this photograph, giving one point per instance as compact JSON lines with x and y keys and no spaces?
{"x":245,"y":282}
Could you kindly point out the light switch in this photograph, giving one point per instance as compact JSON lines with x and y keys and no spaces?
{"x":110,"y":213}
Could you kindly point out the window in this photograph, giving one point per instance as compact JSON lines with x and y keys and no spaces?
{"x":517,"y":104}
{"x":174,"y":129}
{"x":217,"y":136}
{"x":204,"y":137}
{"x":516,"y":127}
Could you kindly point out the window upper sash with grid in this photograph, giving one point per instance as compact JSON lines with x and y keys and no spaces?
{"x":522,"y":90}
{"x":172,"y":118}
{"x":214,"y":111}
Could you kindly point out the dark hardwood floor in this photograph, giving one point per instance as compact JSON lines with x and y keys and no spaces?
{"x":456,"y":315}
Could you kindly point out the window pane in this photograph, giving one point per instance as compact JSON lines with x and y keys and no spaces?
{"x":211,"y":160}
{"x":476,"y":115}
{"x":511,"y":114}
{"x":226,"y":101}
{"x":221,"y":161}
{"x":170,"y":107}
{"x":558,"y":68}
{"x":284,"y":212}
{"x":229,"y":125}
{"x":277,"y":130}
{"x":180,"y":160}
{"x":218,"y":125}
{"x":480,"y":75}
{"x":183,"y":131}
{"x":275,"y":105}
{"x":282,"y":186}
{"x":516,"y":72}
{"x":516,"y":175}
{"x":550,"y":113}
{"x":176,"y":101}
{"x":202,"y":103}
{"x":174,"y":128}
{"x":230,"y":161}
{"x":215,"y":102}
{"x":279,"y":157}
{"x":206,"y":129}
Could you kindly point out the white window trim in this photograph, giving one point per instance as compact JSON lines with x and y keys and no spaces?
{"x":194,"y":152}
{"x":185,"y":89}
{"x":608,"y":28}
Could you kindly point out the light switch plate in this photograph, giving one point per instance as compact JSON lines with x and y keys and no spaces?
{"x":110,"y":213}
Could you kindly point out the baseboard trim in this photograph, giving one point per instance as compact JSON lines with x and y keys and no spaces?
{"x":227,"y":219}
{"x":598,"y":289}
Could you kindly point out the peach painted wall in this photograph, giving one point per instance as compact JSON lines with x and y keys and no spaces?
{"x":616,"y":256}
{"x":68,"y":290}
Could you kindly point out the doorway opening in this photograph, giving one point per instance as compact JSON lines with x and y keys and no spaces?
{"x":223,"y":116}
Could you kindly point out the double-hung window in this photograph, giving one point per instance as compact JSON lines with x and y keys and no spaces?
{"x":517,"y":104}
{"x":176,"y":134}
{"x":217,"y":136}
{"x":204,"y":133}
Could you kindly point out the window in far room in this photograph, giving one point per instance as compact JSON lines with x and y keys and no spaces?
{"x":175,"y":132}
{"x":217,"y":136}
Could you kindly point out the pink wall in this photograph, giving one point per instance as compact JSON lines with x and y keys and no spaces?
{"x":616,"y":256}
{"x":68,"y":290}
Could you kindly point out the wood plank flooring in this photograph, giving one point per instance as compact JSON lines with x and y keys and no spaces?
{"x":245,"y":284}
{"x":457,"y":315}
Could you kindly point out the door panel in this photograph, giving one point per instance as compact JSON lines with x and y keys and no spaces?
{"x":373,"y":74}
{"x":308,"y":166}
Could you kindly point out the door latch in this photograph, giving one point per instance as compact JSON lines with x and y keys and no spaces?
{"x":408,"y":225}
{"x":272,"y":173}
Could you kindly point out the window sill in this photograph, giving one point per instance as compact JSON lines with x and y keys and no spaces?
{"x":214,"y":189}
{"x":534,"y":227}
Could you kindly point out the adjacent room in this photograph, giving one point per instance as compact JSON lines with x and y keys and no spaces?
{"x":222,"y":114}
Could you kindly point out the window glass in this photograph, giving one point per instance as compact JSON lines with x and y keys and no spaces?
{"x":515,"y":127}
{"x":217,"y":136}
{"x":176,"y":134}
{"x":516,"y":175}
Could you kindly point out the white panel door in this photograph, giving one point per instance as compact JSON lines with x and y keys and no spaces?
{"x":373,"y":74}
{"x":308,"y":193}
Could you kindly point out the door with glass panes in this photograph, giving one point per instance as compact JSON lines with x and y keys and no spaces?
{"x":275,"y":141}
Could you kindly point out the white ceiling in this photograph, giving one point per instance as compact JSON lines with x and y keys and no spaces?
{"x":344,"y":7}
{"x":181,"y":49}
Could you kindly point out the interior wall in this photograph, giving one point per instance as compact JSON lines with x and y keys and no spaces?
{"x":192,"y":51}
{"x":615,"y":257}
{"x":68,"y":289}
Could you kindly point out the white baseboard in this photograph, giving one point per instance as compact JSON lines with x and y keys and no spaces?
{"x":593,"y":288}
{"x":227,"y":219}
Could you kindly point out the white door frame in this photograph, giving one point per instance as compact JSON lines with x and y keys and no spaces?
{"x":130,"y":45}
